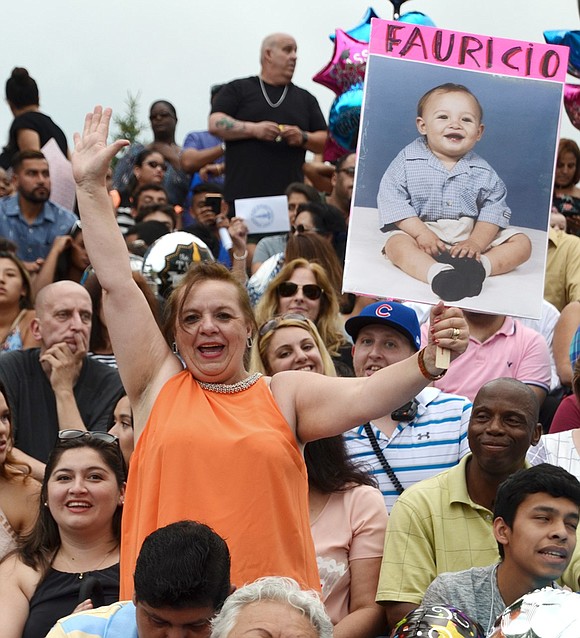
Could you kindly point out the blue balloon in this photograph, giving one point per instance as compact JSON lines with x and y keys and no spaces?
{"x":362,"y":31}
{"x":570,"y":39}
{"x":344,"y":118}
{"x":416,"y":17}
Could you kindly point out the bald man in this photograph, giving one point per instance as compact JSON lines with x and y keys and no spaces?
{"x":268,"y":124}
{"x":445,"y":523}
{"x":56,"y":386}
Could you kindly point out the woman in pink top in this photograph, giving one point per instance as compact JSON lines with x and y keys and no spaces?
{"x":19,"y":492}
{"x":348,"y":516}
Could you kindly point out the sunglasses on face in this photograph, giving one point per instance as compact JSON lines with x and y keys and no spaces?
{"x":67,"y":435}
{"x":272,"y":324}
{"x":289,"y":289}
{"x":301,"y":228}
{"x":153,"y":164}
{"x":161,"y":115}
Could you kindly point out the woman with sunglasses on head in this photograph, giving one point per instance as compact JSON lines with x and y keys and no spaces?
{"x":16,"y":305}
{"x":215,"y":443}
{"x":348,"y":516}
{"x":303,"y":287}
{"x":74,"y":544}
{"x":18,"y":490}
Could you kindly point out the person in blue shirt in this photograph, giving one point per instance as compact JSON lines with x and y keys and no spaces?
{"x":182,"y":578}
{"x":28,"y":218}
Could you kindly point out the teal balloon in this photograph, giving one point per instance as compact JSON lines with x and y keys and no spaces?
{"x":570,"y":39}
{"x":344,"y":118}
{"x":362,"y":31}
{"x":416,"y":17}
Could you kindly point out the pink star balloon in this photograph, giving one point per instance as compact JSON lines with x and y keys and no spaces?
{"x":347,"y":66}
{"x":572,"y":103}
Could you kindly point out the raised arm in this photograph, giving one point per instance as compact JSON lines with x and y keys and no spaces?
{"x":144,"y":359}
{"x":318,"y":406}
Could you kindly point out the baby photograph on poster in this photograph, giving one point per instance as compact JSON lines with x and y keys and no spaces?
{"x":455,"y":166}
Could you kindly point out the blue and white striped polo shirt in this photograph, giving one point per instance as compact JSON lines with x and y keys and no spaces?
{"x":435,"y":441}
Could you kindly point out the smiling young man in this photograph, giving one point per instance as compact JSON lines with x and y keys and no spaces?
{"x":182,"y":578}
{"x":422,"y":438}
{"x":445,"y":523}
{"x":535,"y":519}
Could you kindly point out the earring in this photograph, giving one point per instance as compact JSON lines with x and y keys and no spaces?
{"x":45,"y":503}
{"x":174,"y":348}
{"x":249,"y":342}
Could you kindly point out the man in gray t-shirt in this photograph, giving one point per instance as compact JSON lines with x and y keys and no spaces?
{"x":536,"y":514}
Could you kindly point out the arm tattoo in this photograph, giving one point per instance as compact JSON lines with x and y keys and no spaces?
{"x":229,"y":123}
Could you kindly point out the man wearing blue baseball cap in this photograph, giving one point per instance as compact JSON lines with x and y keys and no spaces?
{"x":421,"y":438}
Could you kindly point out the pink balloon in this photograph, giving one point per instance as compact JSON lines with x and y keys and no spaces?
{"x":347,"y":66}
{"x":572,"y":103}
{"x":333,"y":150}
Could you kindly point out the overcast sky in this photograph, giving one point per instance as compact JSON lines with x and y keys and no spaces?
{"x":83,"y":53}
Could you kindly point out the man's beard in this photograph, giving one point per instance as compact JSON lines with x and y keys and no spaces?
{"x":31,"y":197}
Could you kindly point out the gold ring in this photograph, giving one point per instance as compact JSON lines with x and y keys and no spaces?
{"x":455,"y":334}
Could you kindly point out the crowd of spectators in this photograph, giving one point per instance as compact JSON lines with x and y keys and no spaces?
{"x":161,"y":365}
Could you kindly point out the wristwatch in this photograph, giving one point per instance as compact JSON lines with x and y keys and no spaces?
{"x":304,"y":138}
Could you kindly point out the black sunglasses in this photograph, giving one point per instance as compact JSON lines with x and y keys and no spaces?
{"x":154,"y":164}
{"x":289,"y":289}
{"x":67,"y":435}
{"x":272,"y":324}
{"x":300,"y":229}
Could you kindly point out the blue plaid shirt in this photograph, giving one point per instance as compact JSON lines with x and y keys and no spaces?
{"x":417,"y":184}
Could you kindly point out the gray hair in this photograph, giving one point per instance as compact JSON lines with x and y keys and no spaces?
{"x":276,"y":589}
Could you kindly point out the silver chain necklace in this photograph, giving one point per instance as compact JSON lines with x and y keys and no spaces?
{"x":270,"y":103}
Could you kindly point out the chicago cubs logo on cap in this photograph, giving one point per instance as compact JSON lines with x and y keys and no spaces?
{"x":383,"y":310}
{"x":389,"y":313}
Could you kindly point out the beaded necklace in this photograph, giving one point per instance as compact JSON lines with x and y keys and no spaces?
{"x":231,"y":388}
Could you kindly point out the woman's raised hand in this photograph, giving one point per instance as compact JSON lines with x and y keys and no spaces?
{"x":92,"y":155}
{"x":448,"y":329}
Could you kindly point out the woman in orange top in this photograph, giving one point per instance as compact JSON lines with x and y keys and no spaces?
{"x":215,"y":443}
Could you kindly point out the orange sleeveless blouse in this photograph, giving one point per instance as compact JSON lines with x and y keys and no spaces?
{"x":232,"y":462}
